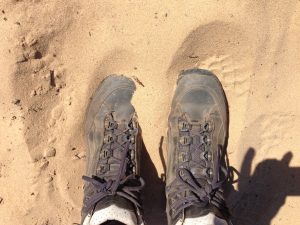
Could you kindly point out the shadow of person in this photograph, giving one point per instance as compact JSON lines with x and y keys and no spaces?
{"x":154,"y":200}
{"x":260,"y":195}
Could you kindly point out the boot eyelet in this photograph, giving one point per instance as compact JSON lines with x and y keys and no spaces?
{"x":208,"y":126}
{"x":105,"y":153}
{"x":183,"y":157}
{"x":103,"y":168}
{"x":108,"y":139}
{"x":110,"y":124}
{"x":206,"y":139}
{"x":127,"y":137}
{"x":132,"y":154}
{"x":184,"y":126}
{"x":181,"y":173}
{"x":132,"y":125}
{"x":132,"y":139}
{"x":209,"y":172}
{"x":185,"y":140}
{"x":208,"y":156}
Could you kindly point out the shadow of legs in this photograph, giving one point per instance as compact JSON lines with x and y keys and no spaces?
{"x":260,"y":195}
{"x":153,"y":193}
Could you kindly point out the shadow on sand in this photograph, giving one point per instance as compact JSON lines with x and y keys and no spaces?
{"x":260,"y":195}
{"x":154,"y":199}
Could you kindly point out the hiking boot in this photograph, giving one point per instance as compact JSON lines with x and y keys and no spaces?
{"x":197,"y":133}
{"x":112,"y":132}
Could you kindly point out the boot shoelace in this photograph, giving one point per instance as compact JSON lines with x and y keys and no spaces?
{"x":185,"y":182}
{"x":124,"y":184}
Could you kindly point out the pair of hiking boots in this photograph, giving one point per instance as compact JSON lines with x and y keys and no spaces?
{"x":197,"y":131}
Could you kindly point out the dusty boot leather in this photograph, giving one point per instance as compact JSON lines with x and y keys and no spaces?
{"x":197,"y":132}
{"x":112,"y":132}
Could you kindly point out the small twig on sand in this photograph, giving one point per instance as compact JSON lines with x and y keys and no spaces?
{"x":138,"y":81}
{"x":52,"y":79}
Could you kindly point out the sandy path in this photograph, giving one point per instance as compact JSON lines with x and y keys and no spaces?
{"x":55,"y":53}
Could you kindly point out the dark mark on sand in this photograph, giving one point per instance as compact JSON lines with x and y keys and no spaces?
{"x":16,"y":101}
{"x":138,"y":81}
{"x":52,"y":79}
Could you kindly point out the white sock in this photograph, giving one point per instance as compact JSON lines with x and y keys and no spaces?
{"x":209,"y":219}
{"x":111,"y":212}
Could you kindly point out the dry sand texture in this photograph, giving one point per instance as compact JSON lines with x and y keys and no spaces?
{"x":53,"y":54}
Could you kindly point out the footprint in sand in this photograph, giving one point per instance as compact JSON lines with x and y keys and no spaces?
{"x":232,"y":75}
{"x":268,"y":131}
{"x":274,"y":129}
{"x":42,"y":102}
{"x":219,"y":47}
{"x":57,"y":114}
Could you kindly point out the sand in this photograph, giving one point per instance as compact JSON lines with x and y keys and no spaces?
{"x":53,"y":54}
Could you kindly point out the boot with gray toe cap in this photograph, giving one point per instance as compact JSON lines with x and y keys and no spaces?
{"x":112,"y":133}
{"x":197,"y":132}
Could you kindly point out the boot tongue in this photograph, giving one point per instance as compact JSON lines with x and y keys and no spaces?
{"x":190,"y":213}
{"x":117,"y":209}
{"x":196,"y":211}
{"x":207,"y":219}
